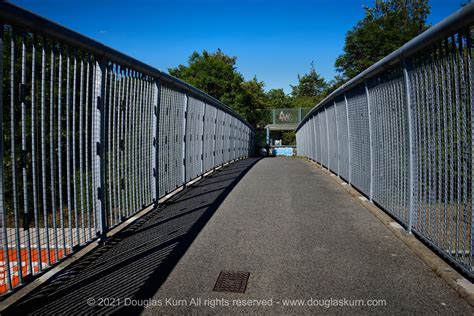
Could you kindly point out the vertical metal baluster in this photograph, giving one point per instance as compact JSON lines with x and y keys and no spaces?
{"x":13,"y":158}
{"x":126,"y":140}
{"x":6,"y":256}
{"x":73,"y":157}
{"x":202,"y":137}
{"x":151,"y":134}
{"x":148,"y":120}
{"x":60,"y":171}
{"x":458,"y":151}
{"x":52,"y":156}
{"x":439,"y":127}
{"x":93,"y":143}
{"x":145,"y":142}
{"x":156,"y":139}
{"x":133,"y":142}
{"x":464,"y":141}
{"x":43,"y":151}
{"x":424,"y":150}
{"x":68,"y":152}
{"x":327,"y":138}
{"x":33,"y":152}
{"x":371,"y":145}
{"x":428,"y":138}
{"x":185,"y":122}
{"x":114,"y":131}
{"x":26,"y":220}
{"x":100,"y":146}
{"x":140,"y":150}
{"x":118,"y":158}
{"x":337,"y":140}
{"x":129,"y":140}
{"x":109,"y":165}
{"x":445,"y":139}
{"x":451,"y":147}
{"x":81,"y":146}
{"x":348,"y":139}
{"x":133,"y":152}
{"x":214,"y":141}
{"x":86,"y":149}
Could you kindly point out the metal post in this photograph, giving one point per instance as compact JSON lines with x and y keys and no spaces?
{"x":202,"y":137}
{"x":327,"y":136}
{"x":267,"y":137}
{"x":185,"y":122}
{"x":348,"y":138}
{"x":99,"y":159}
{"x":337,"y":139}
{"x":370,"y":143}
{"x":411,"y":148}
{"x":155,"y":155}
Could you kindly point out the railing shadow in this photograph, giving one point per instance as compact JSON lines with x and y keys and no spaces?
{"x":133,"y":265}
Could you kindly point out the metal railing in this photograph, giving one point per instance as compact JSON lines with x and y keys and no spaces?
{"x":401,"y":132}
{"x":91,"y":136}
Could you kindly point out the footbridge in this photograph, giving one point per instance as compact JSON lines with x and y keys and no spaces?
{"x":126,"y":190}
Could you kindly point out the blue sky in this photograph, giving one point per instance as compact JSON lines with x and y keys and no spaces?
{"x":274,"y":40}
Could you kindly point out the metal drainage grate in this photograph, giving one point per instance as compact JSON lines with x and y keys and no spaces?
{"x":232,"y":281}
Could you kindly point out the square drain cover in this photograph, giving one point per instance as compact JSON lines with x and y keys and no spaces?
{"x":232,"y":281}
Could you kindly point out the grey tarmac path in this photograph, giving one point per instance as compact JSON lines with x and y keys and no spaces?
{"x":302,"y":237}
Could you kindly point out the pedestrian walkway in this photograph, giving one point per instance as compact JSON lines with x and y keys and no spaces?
{"x":301,"y":237}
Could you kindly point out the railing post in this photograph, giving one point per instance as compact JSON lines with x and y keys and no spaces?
{"x":155,"y":128}
{"x":184,"y":138}
{"x":99,"y":158}
{"x":348,"y":138}
{"x":337,"y":139}
{"x":202,"y":137}
{"x":315,"y":139}
{"x":412,"y":167}
{"x":327,"y":136}
{"x":371,"y":190}
{"x":214,"y":141}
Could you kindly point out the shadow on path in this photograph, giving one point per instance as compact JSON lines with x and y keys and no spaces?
{"x":135,"y":263}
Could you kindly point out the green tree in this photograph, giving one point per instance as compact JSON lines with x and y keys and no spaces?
{"x":251,"y":100}
{"x":277,"y":98}
{"x":385,"y":27}
{"x":215,"y":73}
{"x":311,"y":89}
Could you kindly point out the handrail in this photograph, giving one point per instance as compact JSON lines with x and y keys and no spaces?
{"x":459,"y":19}
{"x":30,"y":21}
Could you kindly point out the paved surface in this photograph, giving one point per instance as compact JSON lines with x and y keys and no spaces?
{"x":135,"y":263}
{"x":299,"y":234}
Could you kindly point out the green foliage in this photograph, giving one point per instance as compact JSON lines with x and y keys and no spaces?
{"x":277,"y":98}
{"x":311,"y":89}
{"x":250,"y":99}
{"x":216,"y":74}
{"x":288,"y":137}
{"x":385,"y":27}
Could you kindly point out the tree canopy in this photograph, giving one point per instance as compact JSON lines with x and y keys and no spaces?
{"x":385,"y":27}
